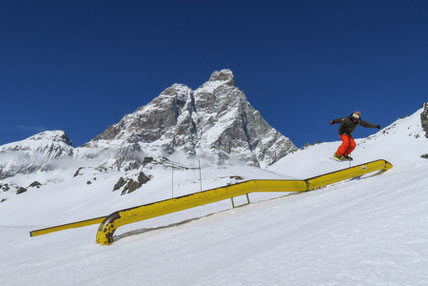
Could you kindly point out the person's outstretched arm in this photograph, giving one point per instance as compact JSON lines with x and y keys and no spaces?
{"x":368,"y":125}
{"x":334,"y":121}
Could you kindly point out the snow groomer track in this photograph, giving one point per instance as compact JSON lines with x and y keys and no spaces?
{"x":110,"y":223}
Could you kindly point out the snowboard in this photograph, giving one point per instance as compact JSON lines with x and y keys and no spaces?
{"x":337,"y":160}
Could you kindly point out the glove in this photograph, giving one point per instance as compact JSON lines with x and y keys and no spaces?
{"x":331,"y":122}
{"x":378,"y":126}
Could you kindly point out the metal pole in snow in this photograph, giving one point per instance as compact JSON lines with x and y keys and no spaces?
{"x":200,"y":173}
{"x":172,"y":181}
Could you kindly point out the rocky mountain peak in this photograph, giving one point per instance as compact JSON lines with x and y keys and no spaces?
{"x":52,"y":136}
{"x":223,"y":75}
{"x":215,"y":121}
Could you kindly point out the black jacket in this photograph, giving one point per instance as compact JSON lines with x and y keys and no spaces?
{"x":347,"y":126}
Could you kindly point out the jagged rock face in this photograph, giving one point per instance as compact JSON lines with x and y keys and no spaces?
{"x":424,"y":119}
{"x":150,"y":130}
{"x":34,"y":153}
{"x":213,"y":121}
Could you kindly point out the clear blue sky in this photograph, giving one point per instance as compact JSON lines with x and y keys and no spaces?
{"x":80,"y":66}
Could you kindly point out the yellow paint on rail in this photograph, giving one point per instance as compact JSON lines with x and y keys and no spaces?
{"x":110,"y":223}
{"x":67,"y":226}
{"x":337,"y":176}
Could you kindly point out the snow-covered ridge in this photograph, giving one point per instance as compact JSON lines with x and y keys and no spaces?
{"x":34,"y":153}
{"x":39,"y":140}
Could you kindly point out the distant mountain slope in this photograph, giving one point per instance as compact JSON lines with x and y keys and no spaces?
{"x":35,"y":153}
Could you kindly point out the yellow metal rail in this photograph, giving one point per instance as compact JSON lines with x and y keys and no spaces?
{"x":127,"y":216}
{"x":110,"y":223}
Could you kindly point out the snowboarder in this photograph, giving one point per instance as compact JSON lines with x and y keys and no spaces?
{"x":347,"y":126}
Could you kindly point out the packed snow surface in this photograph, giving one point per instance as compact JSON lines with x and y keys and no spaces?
{"x":371,"y":231}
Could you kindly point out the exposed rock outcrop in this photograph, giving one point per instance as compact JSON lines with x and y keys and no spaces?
{"x":424,"y":119}
{"x":130,"y":185}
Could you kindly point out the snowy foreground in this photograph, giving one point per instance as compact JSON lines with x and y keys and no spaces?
{"x":371,"y":231}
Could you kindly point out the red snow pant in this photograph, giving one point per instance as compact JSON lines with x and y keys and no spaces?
{"x":348,"y":145}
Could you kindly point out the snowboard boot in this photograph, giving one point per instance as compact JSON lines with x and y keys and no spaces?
{"x":339,"y":157}
{"x":348,"y":158}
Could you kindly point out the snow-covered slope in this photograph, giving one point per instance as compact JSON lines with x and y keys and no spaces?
{"x":367,"y":232}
